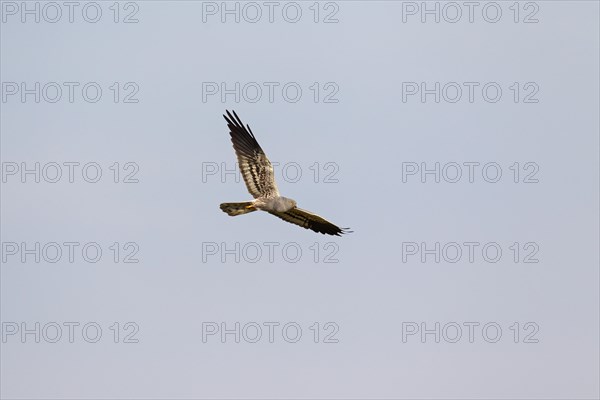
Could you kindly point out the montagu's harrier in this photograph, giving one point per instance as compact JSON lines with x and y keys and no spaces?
{"x":260,"y":181}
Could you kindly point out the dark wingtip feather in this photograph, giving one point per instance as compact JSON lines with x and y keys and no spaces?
{"x":243,"y":139}
{"x":235,"y":124}
{"x":344,"y":231}
{"x":334,"y":231}
{"x":231,"y":121}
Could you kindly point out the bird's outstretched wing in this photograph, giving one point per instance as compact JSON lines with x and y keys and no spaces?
{"x":309,"y":220}
{"x":254,"y":164}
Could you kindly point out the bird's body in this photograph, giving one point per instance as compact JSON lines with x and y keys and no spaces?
{"x":258,"y":175}
{"x":274,"y":203}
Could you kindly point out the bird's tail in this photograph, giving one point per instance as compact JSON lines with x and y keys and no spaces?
{"x":233,"y":209}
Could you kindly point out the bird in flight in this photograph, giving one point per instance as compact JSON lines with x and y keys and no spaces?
{"x":260,"y":181}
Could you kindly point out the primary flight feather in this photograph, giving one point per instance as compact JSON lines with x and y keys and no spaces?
{"x":257,"y":172}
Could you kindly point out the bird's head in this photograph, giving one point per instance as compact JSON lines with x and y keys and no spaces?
{"x":288,"y":203}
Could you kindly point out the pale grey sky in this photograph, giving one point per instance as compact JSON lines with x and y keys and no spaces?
{"x":347,"y":108}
